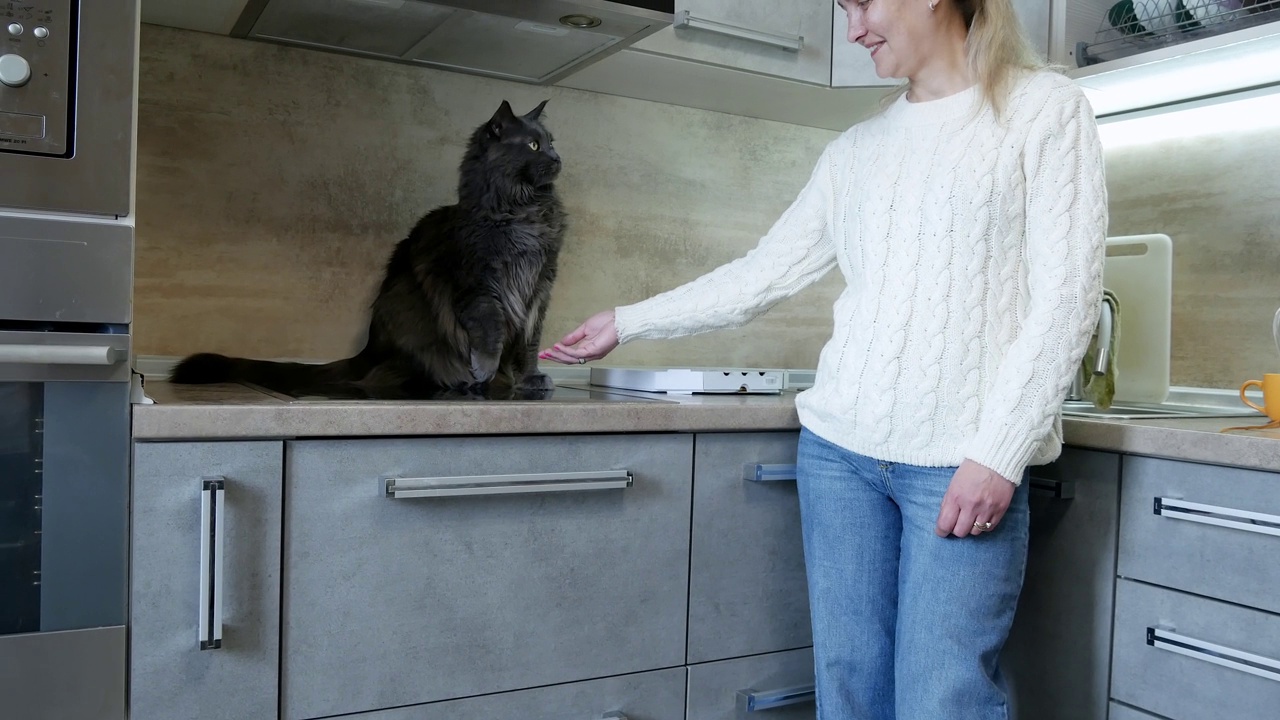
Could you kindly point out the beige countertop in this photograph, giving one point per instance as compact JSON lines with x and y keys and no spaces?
{"x":233,"y":411}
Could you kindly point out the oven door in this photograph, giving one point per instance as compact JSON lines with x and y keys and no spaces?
{"x":64,"y":476}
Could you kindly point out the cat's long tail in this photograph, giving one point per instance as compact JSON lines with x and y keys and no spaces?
{"x":289,"y":378}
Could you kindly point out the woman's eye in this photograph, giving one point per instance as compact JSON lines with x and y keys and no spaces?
{"x":533,"y":144}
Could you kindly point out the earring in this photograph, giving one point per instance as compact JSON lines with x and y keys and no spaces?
{"x":933,"y":5}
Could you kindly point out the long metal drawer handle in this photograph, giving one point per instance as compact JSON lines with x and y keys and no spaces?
{"x":428,"y":487}
{"x":613,"y":716}
{"x":60,"y":354}
{"x":794,"y":43}
{"x":1054,"y":489}
{"x":212,"y":512}
{"x":751,"y":700}
{"x":768,"y":473}
{"x":1222,"y":517}
{"x":1216,"y":654}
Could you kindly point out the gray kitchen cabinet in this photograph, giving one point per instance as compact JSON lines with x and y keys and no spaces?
{"x":806,"y":19}
{"x":421,"y":570}
{"x":1205,"y":529}
{"x":1058,"y":654}
{"x":1187,"y":657}
{"x":779,"y":686}
{"x":236,"y":612}
{"x":747,"y":589}
{"x":852,"y":66}
{"x":1124,"y":712}
{"x":657,"y":695}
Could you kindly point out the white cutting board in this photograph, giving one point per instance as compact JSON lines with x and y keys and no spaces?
{"x":1139,"y":271}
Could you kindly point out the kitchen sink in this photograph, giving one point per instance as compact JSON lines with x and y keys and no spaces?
{"x":1136,"y":411}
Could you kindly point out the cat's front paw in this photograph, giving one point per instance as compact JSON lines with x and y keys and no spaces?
{"x":483,"y":366}
{"x":537,"y":381}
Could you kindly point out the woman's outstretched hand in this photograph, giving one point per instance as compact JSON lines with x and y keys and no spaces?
{"x":591,"y":340}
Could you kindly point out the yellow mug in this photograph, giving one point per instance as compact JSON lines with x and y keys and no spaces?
{"x":1270,"y":385}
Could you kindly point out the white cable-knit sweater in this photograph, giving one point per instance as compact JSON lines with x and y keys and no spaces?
{"x":972,"y":250}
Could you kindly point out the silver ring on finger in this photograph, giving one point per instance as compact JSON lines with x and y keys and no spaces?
{"x":982,"y":526}
{"x":582,"y":361}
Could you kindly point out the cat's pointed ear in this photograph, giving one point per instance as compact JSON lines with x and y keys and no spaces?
{"x":500,"y":119}
{"x":535,"y":113}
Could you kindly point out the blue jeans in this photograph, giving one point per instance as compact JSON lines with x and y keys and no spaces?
{"x":906,"y":624}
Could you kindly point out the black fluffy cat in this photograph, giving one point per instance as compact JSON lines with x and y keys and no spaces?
{"x":461,"y":306}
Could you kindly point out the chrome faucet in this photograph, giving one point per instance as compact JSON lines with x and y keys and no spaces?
{"x":1102,"y":358}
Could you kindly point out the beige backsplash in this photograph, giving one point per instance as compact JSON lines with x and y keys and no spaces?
{"x":1214,"y":196}
{"x":273,"y":182}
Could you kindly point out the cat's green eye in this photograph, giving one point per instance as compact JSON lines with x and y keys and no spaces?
{"x":533,"y":144}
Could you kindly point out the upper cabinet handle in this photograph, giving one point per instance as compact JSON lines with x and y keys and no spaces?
{"x":751,"y":700}
{"x":467,"y":485}
{"x":1254,"y":522}
{"x":768,"y":473}
{"x":793,"y":43}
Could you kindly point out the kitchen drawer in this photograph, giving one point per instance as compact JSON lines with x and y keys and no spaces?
{"x":1210,"y":660}
{"x":779,"y":685}
{"x":644,"y":696}
{"x":747,"y":591}
{"x":1124,"y":712}
{"x":398,"y":601}
{"x":1237,"y":560}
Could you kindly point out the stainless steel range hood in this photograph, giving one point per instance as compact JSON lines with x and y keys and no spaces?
{"x":533,"y":41}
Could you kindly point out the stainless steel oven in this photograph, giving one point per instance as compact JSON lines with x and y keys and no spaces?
{"x":68,"y":72}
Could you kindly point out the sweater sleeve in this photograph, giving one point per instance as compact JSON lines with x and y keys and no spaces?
{"x":797,"y":251}
{"x":1066,"y":226}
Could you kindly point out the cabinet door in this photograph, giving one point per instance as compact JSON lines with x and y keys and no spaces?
{"x":1057,"y":656}
{"x":747,"y":590}
{"x":810,"y":19}
{"x":170,"y":676}
{"x":778,"y":686}
{"x":1036,"y":17}
{"x":1204,"y":529}
{"x":1187,"y":657}
{"x":509,"y":575}
{"x":657,"y":695}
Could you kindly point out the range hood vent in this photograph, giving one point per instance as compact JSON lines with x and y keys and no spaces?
{"x":531,"y":41}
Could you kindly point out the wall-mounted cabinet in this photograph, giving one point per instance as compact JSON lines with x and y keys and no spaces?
{"x":1136,"y":54}
{"x":737,"y":34}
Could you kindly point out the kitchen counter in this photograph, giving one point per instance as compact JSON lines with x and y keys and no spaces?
{"x":234,"y":411}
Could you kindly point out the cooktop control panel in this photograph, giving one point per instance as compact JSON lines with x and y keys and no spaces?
{"x":37,"y":48}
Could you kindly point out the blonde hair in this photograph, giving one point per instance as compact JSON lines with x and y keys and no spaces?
{"x":997,"y":47}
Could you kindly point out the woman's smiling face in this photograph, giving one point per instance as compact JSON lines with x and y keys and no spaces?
{"x":898,"y":33}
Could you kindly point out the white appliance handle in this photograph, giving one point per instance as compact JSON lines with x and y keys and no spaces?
{"x":60,"y":354}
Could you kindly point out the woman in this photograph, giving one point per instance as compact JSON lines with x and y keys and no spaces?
{"x":968,"y":219}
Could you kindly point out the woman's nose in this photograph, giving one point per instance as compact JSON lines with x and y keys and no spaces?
{"x":856,"y":28}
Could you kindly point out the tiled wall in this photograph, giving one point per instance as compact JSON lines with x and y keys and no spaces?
{"x":273,"y":182}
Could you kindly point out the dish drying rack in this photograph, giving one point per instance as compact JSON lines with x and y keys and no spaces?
{"x":1130,"y":27}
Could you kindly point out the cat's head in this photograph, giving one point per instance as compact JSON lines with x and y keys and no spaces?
{"x":517,"y":148}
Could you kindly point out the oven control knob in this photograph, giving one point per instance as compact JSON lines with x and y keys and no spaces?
{"x":15,"y":71}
